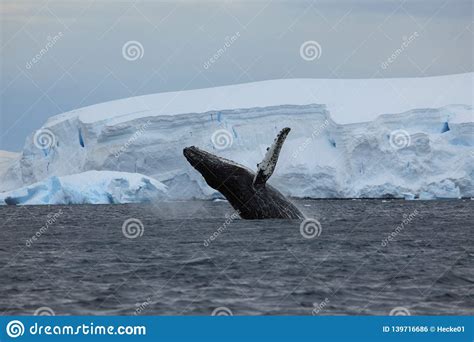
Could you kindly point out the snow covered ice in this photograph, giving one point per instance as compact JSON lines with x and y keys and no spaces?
{"x":403,"y":138}
{"x":95,"y":187}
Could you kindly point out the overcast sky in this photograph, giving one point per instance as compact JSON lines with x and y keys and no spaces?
{"x":84,"y":61}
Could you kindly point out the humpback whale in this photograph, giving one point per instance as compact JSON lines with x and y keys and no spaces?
{"x":247,"y":191}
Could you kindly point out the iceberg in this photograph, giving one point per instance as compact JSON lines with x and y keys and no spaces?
{"x":92,"y":187}
{"x":379,"y":138}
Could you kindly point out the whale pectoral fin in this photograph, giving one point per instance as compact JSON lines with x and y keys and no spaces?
{"x":266,"y":167}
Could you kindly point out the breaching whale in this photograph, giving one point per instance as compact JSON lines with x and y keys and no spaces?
{"x":246,"y":191}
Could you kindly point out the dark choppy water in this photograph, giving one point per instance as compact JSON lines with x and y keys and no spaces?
{"x":82,"y":263}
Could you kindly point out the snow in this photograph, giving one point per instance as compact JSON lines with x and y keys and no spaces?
{"x":348,"y":100}
{"x":7,"y":158}
{"x":404,"y":138}
{"x":94,"y":187}
{"x":6,"y":155}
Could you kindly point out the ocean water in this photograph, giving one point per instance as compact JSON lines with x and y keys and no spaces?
{"x":85,"y":261}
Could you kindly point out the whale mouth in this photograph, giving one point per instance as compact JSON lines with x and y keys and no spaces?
{"x":194,"y":155}
{"x":201,"y":159}
{"x":208,"y":164}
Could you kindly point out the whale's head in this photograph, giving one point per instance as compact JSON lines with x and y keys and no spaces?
{"x":215,"y":170}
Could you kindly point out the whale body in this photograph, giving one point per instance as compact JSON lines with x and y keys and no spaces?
{"x":247,"y":191}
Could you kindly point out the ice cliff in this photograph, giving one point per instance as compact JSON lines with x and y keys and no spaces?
{"x":94,"y":187}
{"x":421,"y":147}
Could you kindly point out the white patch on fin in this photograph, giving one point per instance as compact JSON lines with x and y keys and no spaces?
{"x":267,"y":165}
